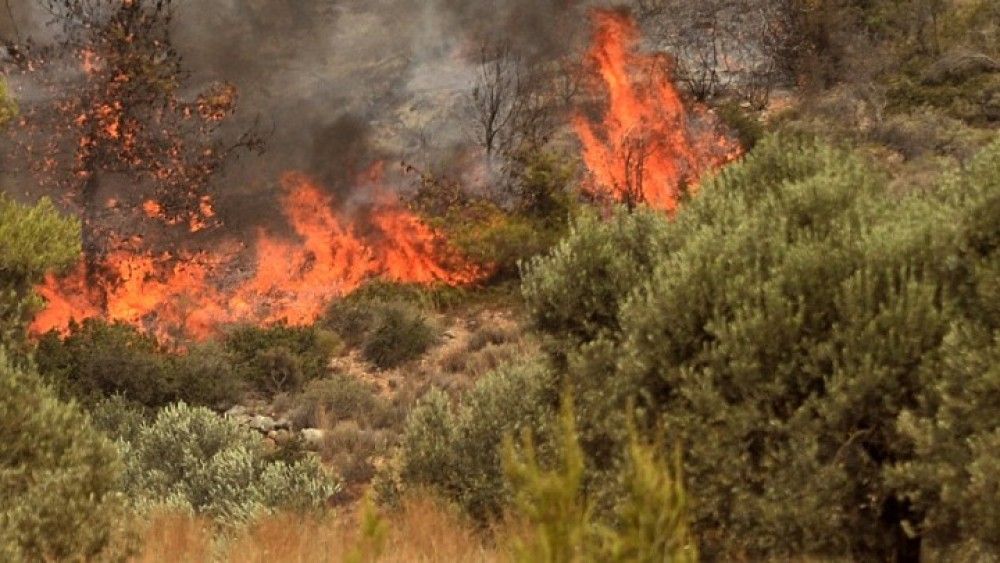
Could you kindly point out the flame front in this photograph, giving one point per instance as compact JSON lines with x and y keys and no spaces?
{"x":179,"y":296}
{"x":648,"y":147}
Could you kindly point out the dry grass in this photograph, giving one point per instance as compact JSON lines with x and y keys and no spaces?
{"x":421,"y":531}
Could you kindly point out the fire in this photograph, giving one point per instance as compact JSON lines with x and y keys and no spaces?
{"x":179,"y":296}
{"x":648,"y":147}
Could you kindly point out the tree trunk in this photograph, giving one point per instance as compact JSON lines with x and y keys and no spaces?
{"x":93,"y":246}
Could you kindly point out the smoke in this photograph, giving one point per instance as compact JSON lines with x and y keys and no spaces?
{"x":338,"y":84}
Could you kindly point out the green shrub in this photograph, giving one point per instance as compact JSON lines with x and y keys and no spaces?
{"x":281,"y":358}
{"x":456,"y":450}
{"x":781,"y":326}
{"x":575,"y":290}
{"x":36,"y":240}
{"x":552,"y":502}
{"x":57,"y":475}
{"x":747,"y":127}
{"x":651,"y":523}
{"x":189,"y":457}
{"x":97,"y":360}
{"x":399,"y":334}
{"x":340,"y":398}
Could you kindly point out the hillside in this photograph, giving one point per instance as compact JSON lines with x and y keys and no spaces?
{"x":500,"y":281}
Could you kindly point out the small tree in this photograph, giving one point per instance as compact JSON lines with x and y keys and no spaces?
{"x":116,"y":107}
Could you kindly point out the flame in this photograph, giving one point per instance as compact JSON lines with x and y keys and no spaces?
{"x":179,"y":296}
{"x":648,"y":146}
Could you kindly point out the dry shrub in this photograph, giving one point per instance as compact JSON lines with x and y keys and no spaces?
{"x":426,"y":530}
{"x":176,"y":537}
{"x":422,"y":530}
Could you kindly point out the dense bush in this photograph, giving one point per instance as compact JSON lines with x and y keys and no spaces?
{"x":57,"y":475}
{"x":562,"y":524}
{"x":804,"y":333}
{"x":35,"y":240}
{"x":97,"y":360}
{"x":456,"y":450}
{"x":399,"y":334}
{"x":389,"y":326}
{"x":281,"y":358}
{"x":340,"y":398}
{"x":191,"y":458}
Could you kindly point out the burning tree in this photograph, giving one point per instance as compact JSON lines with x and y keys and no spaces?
{"x":108,"y":99}
{"x":649,"y":145}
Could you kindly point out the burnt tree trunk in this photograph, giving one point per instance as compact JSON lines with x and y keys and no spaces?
{"x":93,"y":245}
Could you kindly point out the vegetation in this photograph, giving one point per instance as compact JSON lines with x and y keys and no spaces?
{"x":190,"y":458}
{"x":799,"y":363}
{"x":791,"y":327}
{"x":281,"y":358}
{"x":36,"y":240}
{"x":97,"y":360}
{"x":457,"y":451}
{"x":390,"y":327}
{"x":58,"y":475}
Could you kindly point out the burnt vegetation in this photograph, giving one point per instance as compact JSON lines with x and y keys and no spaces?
{"x":658,"y":281}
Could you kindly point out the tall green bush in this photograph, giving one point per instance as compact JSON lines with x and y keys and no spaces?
{"x":782,"y":326}
{"x":562,"y":525}
{"x":191,"y":458}
{"x":58,"y":476}
{"x":455,"y":450}
{"x":36,"y":239}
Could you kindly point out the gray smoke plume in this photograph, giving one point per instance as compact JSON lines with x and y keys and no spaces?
{"x":341,"y":83}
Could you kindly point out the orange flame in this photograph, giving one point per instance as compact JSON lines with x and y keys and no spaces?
{"x":178,"y":296}
{"x":648,"y":146}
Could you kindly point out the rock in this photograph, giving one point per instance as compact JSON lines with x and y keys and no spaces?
{"x":262,"y":424}
{"x":238,"y":414}
{"x":313,"y":438}
{"x":283,"y":424}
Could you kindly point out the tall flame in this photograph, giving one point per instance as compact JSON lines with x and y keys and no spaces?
{"x":180,"y":296}
{"x":648,"y":146}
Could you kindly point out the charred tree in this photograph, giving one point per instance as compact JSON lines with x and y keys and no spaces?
{"x":111,"y":99}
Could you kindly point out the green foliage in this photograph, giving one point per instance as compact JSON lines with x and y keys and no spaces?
{"x":57,"y":475}
{"x":782,"y":326}
{"x":576,"y":289}
{"x":387,"y":322}
{"x":652,"y":516}
{"x":526,"y":219}
{"x":97,"y":360}
{"x":36,"y":239}
{"x":456,"y":450}
{"x":281,"y":358}
{"x":559,"y":516}
{"x":748,"y":128}
{"x":373,"y":532}
{"x":399,"y":334}
{"x":189,"y":457}
{"x":340,"y":398}
{"x":8,"y":107}
{"x":542,"y":188}
{"x":651,"y":523}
